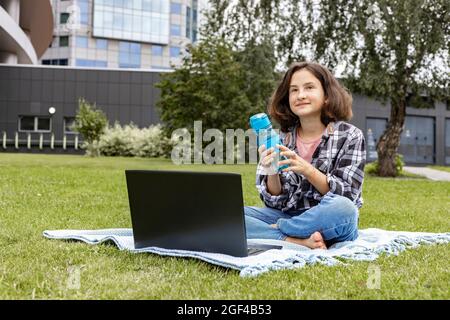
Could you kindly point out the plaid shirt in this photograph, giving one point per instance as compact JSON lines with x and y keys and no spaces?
{"x":341,"y":156}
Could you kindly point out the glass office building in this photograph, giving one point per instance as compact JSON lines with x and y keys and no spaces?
{"x":132,"y":20}
{"x":145,"y":34}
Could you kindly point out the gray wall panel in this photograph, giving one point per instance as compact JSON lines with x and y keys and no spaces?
{"x":124,"y":97}
{"x":125,"y":77}
{"x":91,"y":92}
{"x":102,"y":93}
{"x":70,"y":92}
{"x":58,"y":91}
{"x":47,"y":91}
{"x":25,"y":74}
{"x":113,"y":93}
{"x":4,"y":90}
{"x":47,"y":74}
{"x":25,"y":90}
{"x":36,"y":90}
{"x":81,"y":75}
{"x":124,"y":114}
{"x":69,"y":75}
{"x":80,"y":91}
{"x":13,"y":92}
{"x":135,"y":94}
{"x":92,"y":76}
{"x":36,"y":74}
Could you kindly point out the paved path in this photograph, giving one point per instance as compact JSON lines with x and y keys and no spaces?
{"x":431,"y":174}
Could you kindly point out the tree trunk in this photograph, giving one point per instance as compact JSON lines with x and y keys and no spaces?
{"x":388,"y":144}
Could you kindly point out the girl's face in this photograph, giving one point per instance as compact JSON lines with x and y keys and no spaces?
{"x":306,"y":95}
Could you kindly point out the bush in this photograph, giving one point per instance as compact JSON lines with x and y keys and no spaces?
{"x":130,"y":141}
{"x":373,"y":168}
{"x":90,"y":122}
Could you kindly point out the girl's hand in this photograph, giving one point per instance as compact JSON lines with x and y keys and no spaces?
{"x":267,"y":160}
{"x":294,"y":161}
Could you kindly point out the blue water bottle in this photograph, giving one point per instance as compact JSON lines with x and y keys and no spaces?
{"x":260,"y":123}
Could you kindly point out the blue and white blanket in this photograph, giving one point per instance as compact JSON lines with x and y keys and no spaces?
{"x":369,"y":245}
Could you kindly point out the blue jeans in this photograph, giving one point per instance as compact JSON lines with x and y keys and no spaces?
{"x":335,"y":217}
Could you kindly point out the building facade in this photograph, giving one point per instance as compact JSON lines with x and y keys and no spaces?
{"x":146,"y":34}
{"x":38,"y":104}
{"x":26,"y":28}
{"x":426,"y":135}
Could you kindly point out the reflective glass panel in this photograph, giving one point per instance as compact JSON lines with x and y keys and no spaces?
{"x":136,"y":20}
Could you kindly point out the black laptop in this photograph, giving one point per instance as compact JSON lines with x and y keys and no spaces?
{"x":201,"y":211}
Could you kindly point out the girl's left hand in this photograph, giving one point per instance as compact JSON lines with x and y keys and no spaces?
{"x":294,"y":161}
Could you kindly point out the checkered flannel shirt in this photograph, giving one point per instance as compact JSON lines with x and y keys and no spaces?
{"x":341,"y":156}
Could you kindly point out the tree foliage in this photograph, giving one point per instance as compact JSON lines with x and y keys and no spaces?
{"x":220,"y":86}
{"x":386,"y":49}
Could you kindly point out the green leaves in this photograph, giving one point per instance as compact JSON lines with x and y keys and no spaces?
{"x":218,"y":85}
{"x":90,"y":121}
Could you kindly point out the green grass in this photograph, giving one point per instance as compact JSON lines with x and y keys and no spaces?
{"x":442,"y":168}
{"x":40,"y":192}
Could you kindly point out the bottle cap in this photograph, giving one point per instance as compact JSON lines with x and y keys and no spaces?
{"x":260,"y":121}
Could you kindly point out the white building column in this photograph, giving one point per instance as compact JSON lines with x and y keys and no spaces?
{"x":8,"y":57}
{"x":13,"y":8}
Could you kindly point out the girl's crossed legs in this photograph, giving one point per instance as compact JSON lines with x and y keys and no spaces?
{"x":334,"y":219}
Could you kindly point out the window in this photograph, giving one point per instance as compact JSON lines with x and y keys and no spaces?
{"x":375,"y":128}
{"x":175,"y":30}
{"x":84,"y":11}
{"x":64,"y":41}
{"x":175,"y":8}
{"x":91,"y":63}
{"x":157,"y":50}
{"x":129,"y":55}
{"x":34,"y":124}
{"x":26,"y":124}
{"x":81,"y":41}
{"x":64,"y":17}
{"x":56,"y":62}
{"x":69,"y":122}
{"x":133,"y":20}
{"x":174,"y":52}
{"x":102,"y":44}
{"x":43,"y":124}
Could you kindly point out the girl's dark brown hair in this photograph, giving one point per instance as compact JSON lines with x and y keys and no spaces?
{"x":337,"y":107}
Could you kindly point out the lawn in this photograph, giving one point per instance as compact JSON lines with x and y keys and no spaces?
{"x":442,"y":168}
{"x":40,"y":192}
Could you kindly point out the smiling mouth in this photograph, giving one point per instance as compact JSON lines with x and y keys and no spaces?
{"x":300,"y":105}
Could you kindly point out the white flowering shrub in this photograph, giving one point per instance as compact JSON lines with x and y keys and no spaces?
{"x":131,"y":141}
{"x":152,"y":143}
